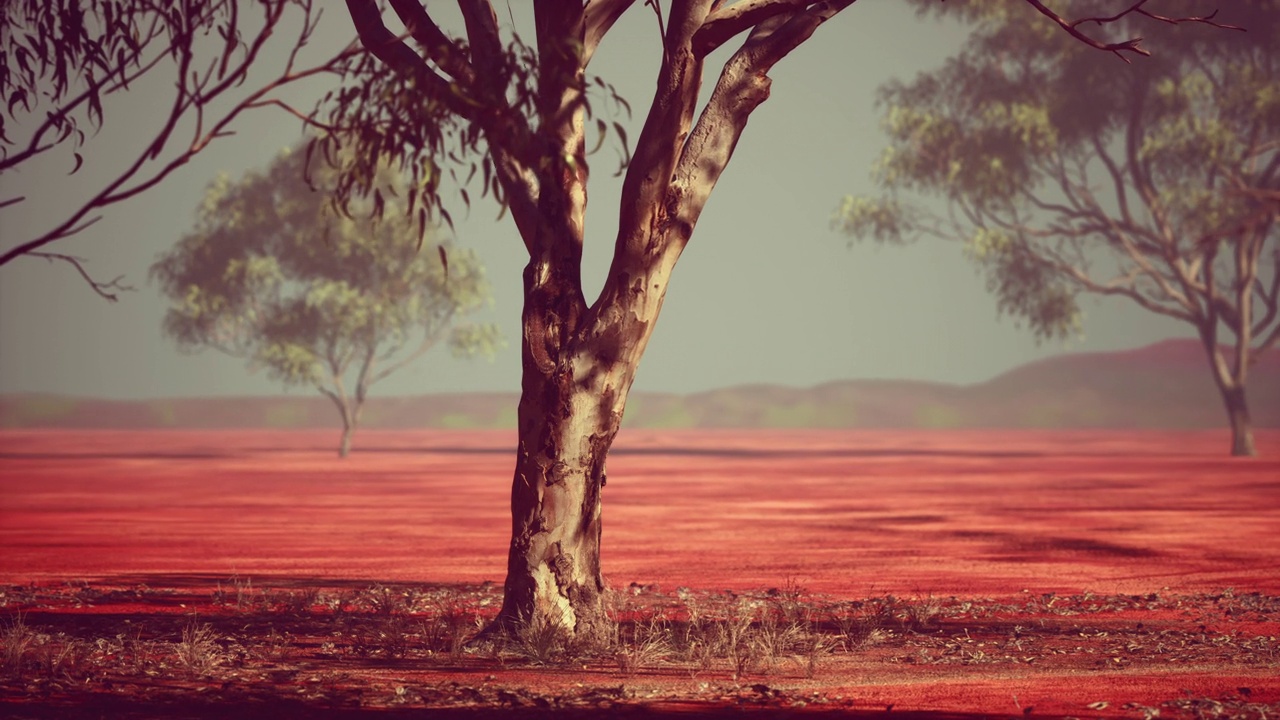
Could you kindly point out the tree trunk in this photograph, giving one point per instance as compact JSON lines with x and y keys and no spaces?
{"x":553,"y":566}
{"x":344,"y":446}
{"x":570,"y":410}
{"x":1232,"y":387}
{"x":350,"y":421}
{"x":1241,"y":425}
{"x":579,"y":360}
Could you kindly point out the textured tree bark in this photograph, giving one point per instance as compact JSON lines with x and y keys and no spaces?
{"x":553,"y":565}
{"x":575,"y":382}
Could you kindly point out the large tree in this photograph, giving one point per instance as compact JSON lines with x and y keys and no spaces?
{"x":63,"y":61}
{"x":271,"y":274}
{"x":1064,"y":174}
{"x":519,"y":114}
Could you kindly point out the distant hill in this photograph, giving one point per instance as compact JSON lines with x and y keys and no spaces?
{"x":1165,"y":385}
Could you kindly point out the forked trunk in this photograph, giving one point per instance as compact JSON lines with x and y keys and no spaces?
{"x":579,"y":360}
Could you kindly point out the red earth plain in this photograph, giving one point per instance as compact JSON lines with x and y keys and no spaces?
{"x":936,"y":574}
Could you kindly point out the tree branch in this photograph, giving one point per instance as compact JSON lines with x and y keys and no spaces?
{"x":666,"y":125}
{"x":429,"y":340}
{"x":192,"y":93}
{"x":101,"y":288}
{"x":599,"y":17}
{"x":392,"y":50}
{"x":743,"y":85}
{"x":439,"y":47}
{"x":1270,"y":295}
{"x":1121,"y":286}
{"x":59,"y":118}
{"x":486,"y":48}
{"x":725,"y":23}
{"x":1132,"y":45}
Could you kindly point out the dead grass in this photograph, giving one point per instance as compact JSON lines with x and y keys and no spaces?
{"x":17,"y":640}
{"x":323,"y":644}
{"x":198,"y":651}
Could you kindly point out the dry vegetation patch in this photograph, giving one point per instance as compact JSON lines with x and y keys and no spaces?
{"x":349,"y":646}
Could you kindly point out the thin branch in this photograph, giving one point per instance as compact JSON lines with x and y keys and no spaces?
{"x":115,"y":191}
{"x":1117,"y":286}
{"x":101,"y":288}
{"x":1137,"y":7}
{"x":1269,"y":294}
{"x":429,"y":341}
{"x":1267,"y":342}
{"x":1132,"y":45}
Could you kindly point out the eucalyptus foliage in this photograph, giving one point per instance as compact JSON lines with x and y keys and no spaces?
{"x":272,"y":274}
{"x":1065,"y":173}
{"x":61,"y":61}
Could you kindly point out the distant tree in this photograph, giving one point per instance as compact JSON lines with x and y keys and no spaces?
{"x":1065,"y":173}
{"x":273,"y":275}
{"x":62,"y":61}
{"x":517,"y":116}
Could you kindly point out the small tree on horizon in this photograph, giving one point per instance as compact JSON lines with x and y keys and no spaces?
{"x":272,"y":275}
{"x":1064,"y":174}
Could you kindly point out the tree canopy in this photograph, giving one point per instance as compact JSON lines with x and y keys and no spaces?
{"x":1064,"y":174}
{"x":273,"y":275}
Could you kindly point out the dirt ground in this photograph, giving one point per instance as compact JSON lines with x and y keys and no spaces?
{"x":926,"y":574}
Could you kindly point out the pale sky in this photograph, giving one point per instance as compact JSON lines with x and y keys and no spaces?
{"x":765,"y":292}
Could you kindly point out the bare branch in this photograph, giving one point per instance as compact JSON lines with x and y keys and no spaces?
{"x":101,"y":288}
{"x":393,"y":51}
{"x":486,"y":47}
{"x":725,"y":23}
{"x":669,"y":118}
{"x":1270,"y":296}
{"x":1138,"y":8}
{"x":1132,"y":45}
{"x":598,"y":18}
{"x":438,"y":46}
{"x":1122,"y":286}
{"x":429,"y":340}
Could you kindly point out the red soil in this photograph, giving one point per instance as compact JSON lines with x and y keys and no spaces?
{"x":851,"y":514}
